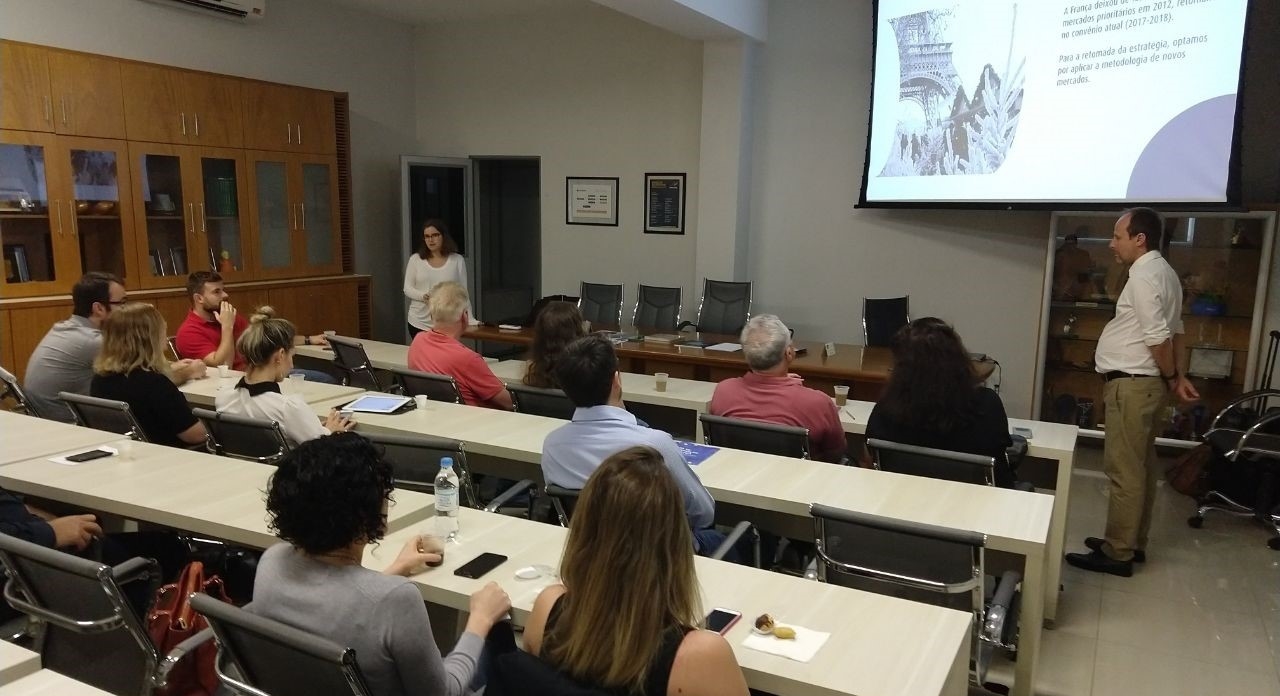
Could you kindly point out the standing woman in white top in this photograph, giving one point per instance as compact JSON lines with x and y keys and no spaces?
{"x":267,"y":347}
{"x":437,"y":261}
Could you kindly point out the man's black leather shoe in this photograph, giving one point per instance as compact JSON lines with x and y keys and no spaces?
{"x":1095,"y":544}
{"x":1099,"y":562}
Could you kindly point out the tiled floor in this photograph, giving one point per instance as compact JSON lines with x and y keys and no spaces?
{"x":1202,"y":616}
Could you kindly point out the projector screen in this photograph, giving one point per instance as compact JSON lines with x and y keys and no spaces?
{"x":1054,"y":103}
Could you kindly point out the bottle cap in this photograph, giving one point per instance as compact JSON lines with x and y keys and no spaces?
{"x":446,"y":462}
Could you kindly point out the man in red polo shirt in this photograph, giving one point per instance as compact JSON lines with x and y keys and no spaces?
{"x":770,"y":393}
{"x":438,"y":350}
{"x":212,"y":327}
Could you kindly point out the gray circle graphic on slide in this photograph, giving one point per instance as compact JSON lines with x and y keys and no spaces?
{"x":1188,"y":158}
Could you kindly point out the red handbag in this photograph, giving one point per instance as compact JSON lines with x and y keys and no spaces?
{"x":172,"y":620}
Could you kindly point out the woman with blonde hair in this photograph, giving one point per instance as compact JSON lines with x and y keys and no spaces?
{"x":132,"y":368}
{"x":557,"y":325}
{"x":625,"y":620}
{"x":267,"y":346}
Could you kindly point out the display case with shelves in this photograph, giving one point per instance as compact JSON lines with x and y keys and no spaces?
{"x":1222,"y":260}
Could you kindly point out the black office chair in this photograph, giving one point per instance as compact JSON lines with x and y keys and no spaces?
{"x":241,"y":437}
{"x":171,"y":343}
{"x":601,"y":304}
{"x":657,"y":307}
{"x":724,"y":308}
{"x":932,"y":463}
{"x":103,"y":414}
{"x":551,"y":403}
{"x":12,"y":390}
{"x":882,"y":317}
{"x":434,"y":387}
{"x":415,"y":461}
{"x":563,"y":501}
{"x":354,"y":364}
{"x":923,"y":563}
{"x":755,"y":436}
{"x":85,"y":627}
{"x":1244,"y":477}
{"x":277,"y":659}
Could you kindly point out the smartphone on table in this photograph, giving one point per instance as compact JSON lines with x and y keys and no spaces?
{"x":721,"y":620}
{"x":86,"y":456}
{"x":478,"y":566}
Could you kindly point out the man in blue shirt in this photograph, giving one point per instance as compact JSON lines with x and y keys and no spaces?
{"x":588,"y":372}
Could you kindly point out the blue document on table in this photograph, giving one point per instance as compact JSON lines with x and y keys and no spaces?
{"x":694,"y":453}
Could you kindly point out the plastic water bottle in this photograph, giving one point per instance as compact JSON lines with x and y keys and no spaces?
{"x":446,"y":500}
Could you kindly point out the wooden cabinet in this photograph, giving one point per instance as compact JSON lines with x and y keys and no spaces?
{"x":25,"y":99}
{"x":167,"y":105}
{"x":295,"y":212}
{"x":57,"y":91}
{"x":288,"y":119}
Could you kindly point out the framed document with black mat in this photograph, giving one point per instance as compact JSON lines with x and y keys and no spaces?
{"x":664,"y":203}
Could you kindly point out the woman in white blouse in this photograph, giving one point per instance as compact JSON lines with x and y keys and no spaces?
{"x":437,"y":261}
{"x":267,"y":347}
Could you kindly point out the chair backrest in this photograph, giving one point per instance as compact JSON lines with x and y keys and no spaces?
{"x":349,"y":357}
{"x":87,"y":630}
{"x":657,"y":307}
{"x":755,"y":436}
{"x":551,"y":403}
{"x":601,"y":304}
{"x":10,"y":389}
{"x":932,"y":463}
{"x":172,"y":344}
{"x":103,"y":414}
{"x":563,"y":500}
{"x":415,"y":461}
{"x":725,"y":306}
{"x":882,"y":317}
{"x":242,"y":437}
{"x":434,"y":387}
{"x":278,"y":659}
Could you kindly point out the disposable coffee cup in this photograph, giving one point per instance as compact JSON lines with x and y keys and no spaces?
{"x":223,"y":372}
{"x":124,"y":449}
{"x":842,"y":394}
{"x":347,"y":414}
{"x":420,"y":401}
{"x":330,"y":332}
{"x":660,"y":381}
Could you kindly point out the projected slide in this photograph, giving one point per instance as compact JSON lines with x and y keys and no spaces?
{"x":1054,"y":101}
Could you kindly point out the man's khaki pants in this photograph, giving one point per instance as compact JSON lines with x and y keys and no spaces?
{"x":1134,"y":409}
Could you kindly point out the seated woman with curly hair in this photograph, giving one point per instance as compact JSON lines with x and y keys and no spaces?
{"x":328,"y":500}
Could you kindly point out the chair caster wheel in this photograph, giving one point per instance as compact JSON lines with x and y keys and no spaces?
{"x":1273,"y":543}
{"x":1195,"y":522}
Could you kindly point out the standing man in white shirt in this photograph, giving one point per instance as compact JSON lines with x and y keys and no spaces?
{"x":1138,"y":355}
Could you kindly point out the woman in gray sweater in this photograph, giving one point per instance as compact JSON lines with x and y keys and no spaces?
{"x":328,"y":500}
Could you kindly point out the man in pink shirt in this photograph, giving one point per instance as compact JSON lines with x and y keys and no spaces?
{"x":438,"y":350}
{"x":771,"y":394}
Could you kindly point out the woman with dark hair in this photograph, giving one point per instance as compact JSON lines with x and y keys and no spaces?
{"x":436,"y":262}
{"x":558,"y":325}
{"x":625,"y":620}
{"x":327,"y":501}
{"x":934,"y":398}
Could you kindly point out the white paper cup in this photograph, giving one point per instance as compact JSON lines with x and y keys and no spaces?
{"x":660,"y":381}
{"x":842,"y":394}
{"x":348,"y":414}
{"x":330,"y":332}
{"x":124,"y":449}
{"x":420,"y":401}
{"x":223,"y":371}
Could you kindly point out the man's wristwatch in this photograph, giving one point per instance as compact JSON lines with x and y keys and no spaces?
{"x":306,"y":340}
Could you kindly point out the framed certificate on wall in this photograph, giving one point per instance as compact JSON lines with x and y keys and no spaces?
{"x":664,"y":203}
{"x":591,"y":201}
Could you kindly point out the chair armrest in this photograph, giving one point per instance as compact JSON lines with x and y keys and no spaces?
{"x":1256,"y":430}
{"x":732,"y":540}
{"x":686,"y":325}
{"x":999,"y":612}
{"x":171,"y":660}
{"x":1255,"y":395}
{"x":505,"y":496}
{"x":133,"y":569}
{"x":1024,"y":486}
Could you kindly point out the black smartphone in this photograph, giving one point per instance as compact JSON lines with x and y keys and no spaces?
{"x":86,"y":456}
{"x":480,"y":565}
{"x":721,"y":620}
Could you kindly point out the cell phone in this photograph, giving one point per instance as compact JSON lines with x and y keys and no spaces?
{"x":721,"y":620}
{"x":1024,"y":432}
{"x":86,"y":456}
{"x":478,"y":566}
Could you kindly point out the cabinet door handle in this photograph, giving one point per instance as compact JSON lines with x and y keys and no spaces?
{"x":303,"y":208}
{"x":75,"y":221}
{"x":203,"y":226}
{"x":191,"y":215}
{"x":288,"y":129}
{"x":63,"y":102}
{"x":293,"y":210}
{"x":197,"y":117}
{"x":299,"y":133}
{"x":48,"y":109}
{"x":183,"y":116}
{"x":58,"y":206}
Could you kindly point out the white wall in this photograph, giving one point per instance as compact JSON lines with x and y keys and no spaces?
{"x":303,"y":42}
{"x":813,"y":256}
{"x":592,"y":93}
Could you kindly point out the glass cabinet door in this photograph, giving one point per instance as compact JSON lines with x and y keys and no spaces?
{"x":165,"y":208}
{"x":276,"y":217}
{"x":99,"y":199}
{"x":33,"y":228}
{"x":316,"y":216}
{"x":219,"y":223}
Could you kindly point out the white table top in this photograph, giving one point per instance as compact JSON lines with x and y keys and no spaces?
{"x":49,"y":683}
{"x":203,"y":392}
{"x":690,"y":394}
{"x":25,"y":437}
{"x":382,"y":355}
{"x":217,"y":496}
{"x":16,"y":662}
{"x":879,"y":645}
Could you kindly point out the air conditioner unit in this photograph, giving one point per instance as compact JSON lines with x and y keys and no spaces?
{"x":227,"y":9}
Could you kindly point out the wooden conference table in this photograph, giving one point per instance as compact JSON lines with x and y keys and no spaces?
{"x":879,"y":646}
{"x":775,"y":492}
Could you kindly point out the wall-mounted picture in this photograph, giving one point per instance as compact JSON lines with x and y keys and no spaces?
{"x":591,"y":201}
{"x":664,"y":203}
